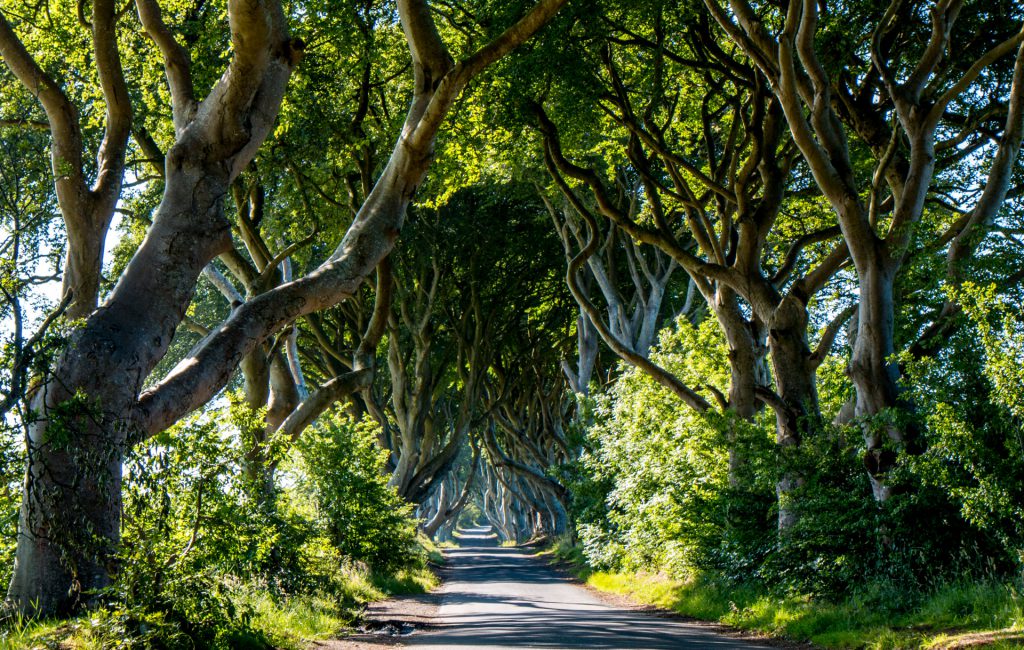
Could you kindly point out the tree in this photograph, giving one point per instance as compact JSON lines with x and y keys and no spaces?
{"x":915,"y":82}
{"x":93,"y":403}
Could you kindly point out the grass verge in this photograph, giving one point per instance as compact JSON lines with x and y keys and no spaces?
{"x":294,"y":623}
{"x":954,"y":615}
{"x":264,"y":621}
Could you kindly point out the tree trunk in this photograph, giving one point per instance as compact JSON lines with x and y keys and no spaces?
{"x":747,"y":366}
{"x":440,"y":517}
{"x":84,"y":263}
{"x":798,"y":415}
{"x":875,"y":376}
{"x":69,"y":524}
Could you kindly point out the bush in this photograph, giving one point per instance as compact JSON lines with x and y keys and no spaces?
{"x":343,"y":469}
{"x":207,"y":562}
{"x":652,"y":488}
{"x":191,"y":535}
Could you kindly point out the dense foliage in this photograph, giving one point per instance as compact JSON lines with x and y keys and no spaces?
{"x":729,"y":292}
{"x":202,"y":560}
{"x":343,"y":469}
{"x":653,"y":489}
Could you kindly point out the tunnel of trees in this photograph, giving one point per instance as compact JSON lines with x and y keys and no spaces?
{"x":715,"y":288}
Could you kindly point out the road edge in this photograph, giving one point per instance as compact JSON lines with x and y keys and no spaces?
{"x":566,"y":570}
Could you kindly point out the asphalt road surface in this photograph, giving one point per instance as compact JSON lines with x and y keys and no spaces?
{"x":497,"y":597}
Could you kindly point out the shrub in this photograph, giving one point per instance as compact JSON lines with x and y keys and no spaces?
{"x":343,"y":469}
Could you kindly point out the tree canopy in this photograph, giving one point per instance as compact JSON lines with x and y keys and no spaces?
{"x":716,"y":287}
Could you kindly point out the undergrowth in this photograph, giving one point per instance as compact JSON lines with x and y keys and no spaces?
{"x":211,"y":559}
{"x":875,"y":616}
{"x":264,"y":621}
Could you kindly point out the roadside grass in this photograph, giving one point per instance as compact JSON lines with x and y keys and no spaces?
{"x":289,"y":622}
{"x":292,"y":623}
{"x":17,"y":632}
{"x":953,"y":615}
{"x":405,"y":582}
{"x":432,"y":550}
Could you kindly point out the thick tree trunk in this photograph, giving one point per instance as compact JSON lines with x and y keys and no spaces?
{"x":798,"y":415}
{"x":69,"y":522}
{"x":875,"y":376}
{"x":747,"y":368}
{"x":69,"y":525}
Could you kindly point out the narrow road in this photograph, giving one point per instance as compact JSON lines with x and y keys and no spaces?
{"x":497,"y":597}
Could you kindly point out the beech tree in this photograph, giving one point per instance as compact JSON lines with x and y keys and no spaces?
{"x":93,"y":403}
{"x":675,"y":275}
{"x":911,"y":95}
{"x":708,"y":138}
{"x":730,"y":206}
{"x":435,"y":371}
{"x":674,"y":231}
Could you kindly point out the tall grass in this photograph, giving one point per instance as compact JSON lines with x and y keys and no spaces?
{"x":17,"y":632}
{"x":862,"y":620}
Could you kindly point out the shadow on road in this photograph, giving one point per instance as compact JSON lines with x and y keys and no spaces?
{"x":497,"y":597}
